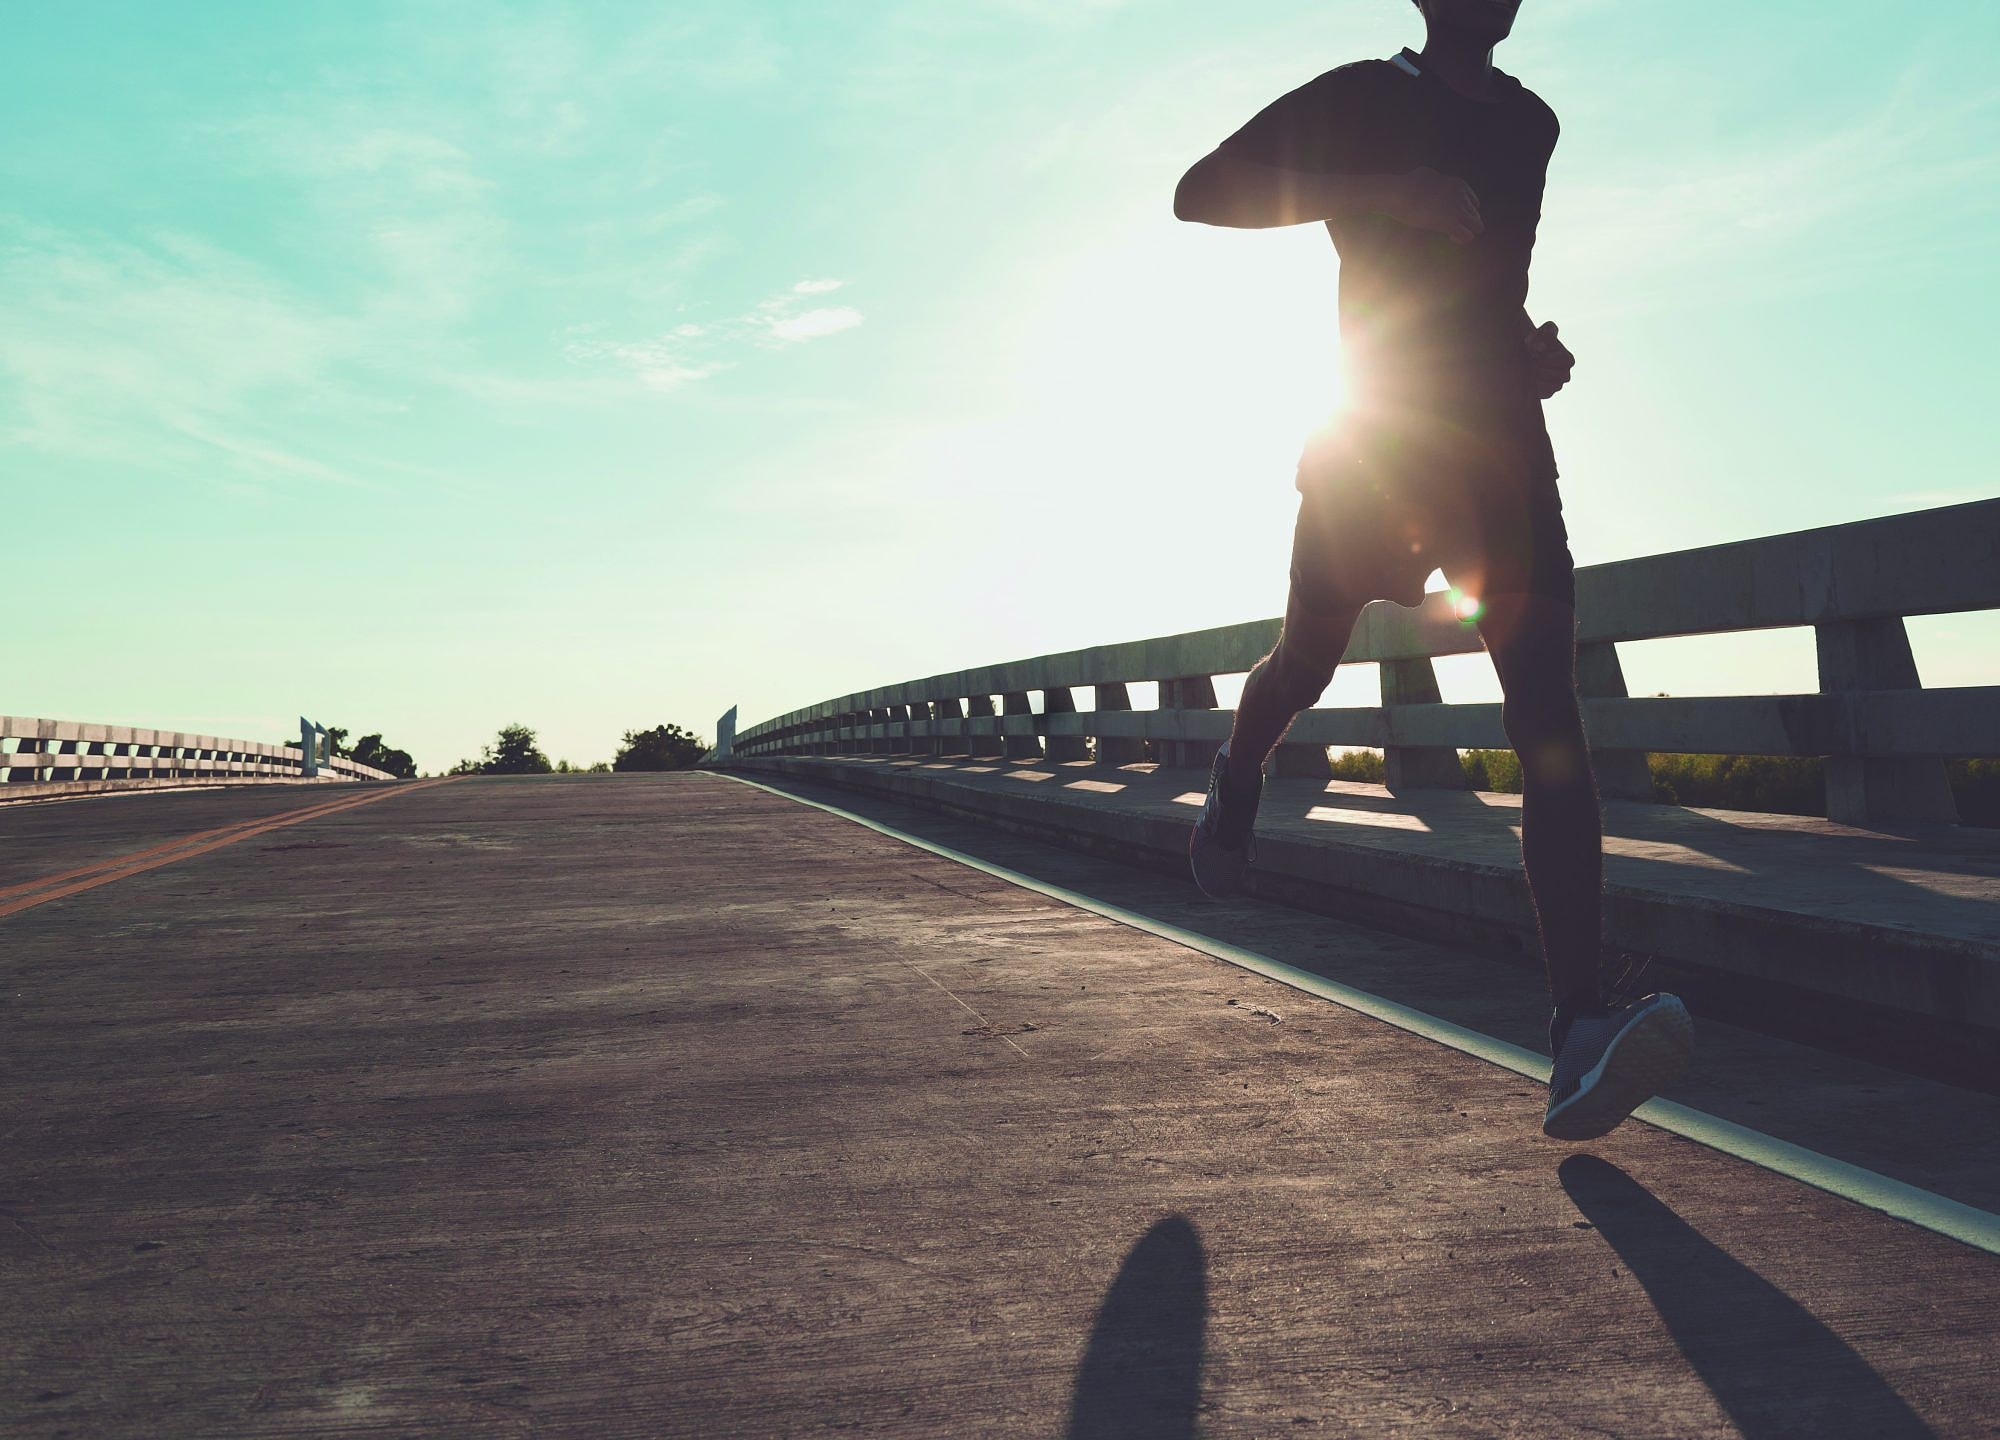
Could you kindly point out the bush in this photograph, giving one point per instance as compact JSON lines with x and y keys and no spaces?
{"x":1774,"y":784}
{"x":513,"y":752}
{"x":664,"y":747}
{"x":1492,"y":770}
{"x":1361,"y":766}
{"x":369,"y":750}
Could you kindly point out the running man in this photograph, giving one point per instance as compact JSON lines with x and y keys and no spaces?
{"x":1427,"y":169}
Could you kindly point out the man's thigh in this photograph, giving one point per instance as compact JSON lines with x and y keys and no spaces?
{"x":1315,"y":636}
{"x":1514,"y":542}
{"x":1346,"y":551}
{"x":1531,"y":640}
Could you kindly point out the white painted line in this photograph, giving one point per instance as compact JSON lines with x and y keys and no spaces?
{"x":1975,"y":1227}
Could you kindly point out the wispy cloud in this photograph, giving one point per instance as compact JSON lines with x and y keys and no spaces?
{"x":694,"y":350}
{"x":159,"y":352}
{"x":1880,"y":180}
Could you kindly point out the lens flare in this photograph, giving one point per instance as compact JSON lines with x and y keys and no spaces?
{"x":1466,"y":607}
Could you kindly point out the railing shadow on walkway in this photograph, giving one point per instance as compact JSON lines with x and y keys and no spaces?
{"x":1506,"y":1002}
{"x":1140,"y":1378}
{"x":1855,"y":859}
{"x":1773,"y":1367}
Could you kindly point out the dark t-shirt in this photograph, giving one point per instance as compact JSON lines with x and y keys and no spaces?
{"x":1427,"y":323}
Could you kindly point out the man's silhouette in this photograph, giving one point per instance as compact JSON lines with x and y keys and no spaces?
{"x":1428,"y":168}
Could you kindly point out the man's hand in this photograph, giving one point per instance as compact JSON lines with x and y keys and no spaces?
{"x":1549,"y":360}
{"x":1429,"y":201}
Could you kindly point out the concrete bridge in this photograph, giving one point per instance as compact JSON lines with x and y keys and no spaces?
{"x":887,"y":1078}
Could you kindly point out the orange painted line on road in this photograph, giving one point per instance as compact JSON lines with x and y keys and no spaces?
{"x":120,"y":861}
{"x":278,"y":822}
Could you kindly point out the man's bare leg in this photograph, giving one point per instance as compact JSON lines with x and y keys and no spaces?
{"x":1288,"y":680}
{"x":1532,"y":640}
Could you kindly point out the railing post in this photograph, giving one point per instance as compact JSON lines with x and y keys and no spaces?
{"x":1875,"y":655}
{"x":979,"y":707}
{"x":950,"y":708}
{"x":1020,"y":747}
{"x":1298,"y":761}
{"x":1621,"y":774}
{"x":1057,"y":700}
{"x":1118,"y":749}
{"x":1417,"y":767}
{"x":1188,"y":692}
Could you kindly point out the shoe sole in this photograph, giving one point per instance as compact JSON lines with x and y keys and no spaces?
{"x":1647,"y":1056}
{"x":1221,"y":889}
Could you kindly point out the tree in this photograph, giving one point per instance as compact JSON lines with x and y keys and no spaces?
{"x":369,"y":750}
{"x":664,"y":747}
{"x":514,"y":752}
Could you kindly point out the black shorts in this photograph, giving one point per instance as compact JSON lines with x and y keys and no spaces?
{"x":1377,"y":515}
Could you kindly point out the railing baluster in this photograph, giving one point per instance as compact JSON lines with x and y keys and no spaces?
{"x":1020,"y":747}
{"x":1875,"y":655}
{"x":1621,"y":774}
{"x":1417,"y":767}
{"x":1117,"y":749}
{"x":1188,"y":692}
{"x":1057,"y":700}
{"x":982,"y":746}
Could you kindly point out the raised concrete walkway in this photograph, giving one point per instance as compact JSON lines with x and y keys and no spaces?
{"x":661,"y":1106}
{"x":1886,"y":940}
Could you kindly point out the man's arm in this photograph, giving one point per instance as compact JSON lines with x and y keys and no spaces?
{"x":1224,"y":188}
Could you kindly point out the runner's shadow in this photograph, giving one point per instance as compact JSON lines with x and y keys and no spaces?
{"x":1141,"y":1374}
{"x":1772,"y":1367}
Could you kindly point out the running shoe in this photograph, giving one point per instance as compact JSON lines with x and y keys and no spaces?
{"x":1612,"y":1063}
{"x":1222,"y":846}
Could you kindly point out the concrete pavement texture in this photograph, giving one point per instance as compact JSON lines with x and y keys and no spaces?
{"x":664,"y":1106}
{"x":1884,"y":940}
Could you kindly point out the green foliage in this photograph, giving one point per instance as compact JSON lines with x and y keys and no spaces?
{"x":369,"y":750}
{"x":1361,"y":766}
{"x":1495,"y":770}
{"x":664,"y":747}
{"x":1780,"y":784}
{"x":513,"y":752}
{"x":1774,"y":784}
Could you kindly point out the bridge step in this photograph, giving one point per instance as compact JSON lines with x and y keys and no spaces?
{"x":1884,"y":943}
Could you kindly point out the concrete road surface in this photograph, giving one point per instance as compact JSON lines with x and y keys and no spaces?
{"x":663,"y":1106}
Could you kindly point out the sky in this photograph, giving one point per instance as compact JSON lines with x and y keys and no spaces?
{"x":427,"y":367}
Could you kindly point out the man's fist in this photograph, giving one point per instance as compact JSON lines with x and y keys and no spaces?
{"x":1549,"y":360}
{"x":1429,"y":201}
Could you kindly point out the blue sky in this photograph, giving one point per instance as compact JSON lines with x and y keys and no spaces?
{"x":430,"y":366}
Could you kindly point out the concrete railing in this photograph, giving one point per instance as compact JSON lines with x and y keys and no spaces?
{"x":1884,"y":736}
{"x":42,"y":757}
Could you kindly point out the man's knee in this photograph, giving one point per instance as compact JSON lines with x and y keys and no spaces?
{"x":1301,"y":680}
{"x":1545,"y":729}
{"x":1541,"y":712}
